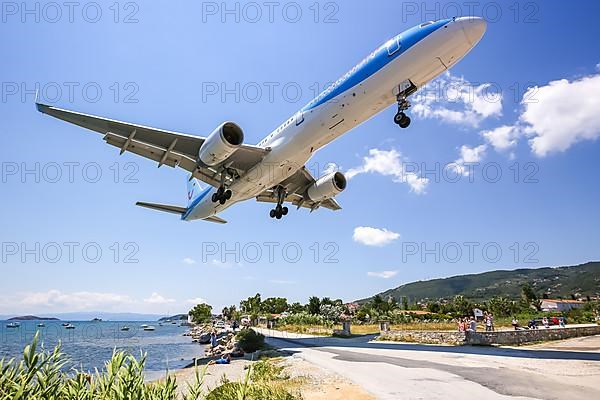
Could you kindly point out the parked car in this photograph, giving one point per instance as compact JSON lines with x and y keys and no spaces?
{"x":220,"y":325}
{"x":551,"y":321}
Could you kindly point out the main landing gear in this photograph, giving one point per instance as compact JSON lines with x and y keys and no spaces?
{"x":401,"y":118}
{"x":223,"y":194}
{"x":279,"y":211}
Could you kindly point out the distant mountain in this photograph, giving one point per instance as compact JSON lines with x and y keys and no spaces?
{"x":32,"y":318}
{"x":177,"y":317}
{"x":556,"y":282}
{"x":106,"y":316}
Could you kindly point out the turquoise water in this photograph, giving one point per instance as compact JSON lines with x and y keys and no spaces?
{"x":90,"y":344}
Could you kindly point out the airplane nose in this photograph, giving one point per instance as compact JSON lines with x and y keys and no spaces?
{"x":473,"y":27}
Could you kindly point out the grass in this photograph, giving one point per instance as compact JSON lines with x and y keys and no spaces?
{"x":45,"y":375}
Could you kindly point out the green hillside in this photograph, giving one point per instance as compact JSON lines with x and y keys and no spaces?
{"x":557,"y":282}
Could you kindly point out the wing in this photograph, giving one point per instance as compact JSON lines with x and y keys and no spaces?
{"x":296,"y":186}
{"x":165,"y":147}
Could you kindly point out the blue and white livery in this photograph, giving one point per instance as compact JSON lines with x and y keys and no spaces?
{"x":274,"y":169}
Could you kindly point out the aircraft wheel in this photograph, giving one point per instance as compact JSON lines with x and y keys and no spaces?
{"x":215,"y":198}
{"x":278,"y":216}
{"x":399,"y":117}
{"x":228,"y":194}
{"x":222,"y":201}
{"x":284,"y":211}
{"x":405,"y":122}
{"x":272,"y":213}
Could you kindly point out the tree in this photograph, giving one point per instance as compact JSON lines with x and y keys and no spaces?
{"x":229,"y":313}
{"x":201,"y":313}
{"x":502,"y":307}
{"x":314,"y":305}
{"x":529,"y":297}
{"x":296,"y":308}
{"x":404,"y":303}
{"x":377,"y":303}
{"x":274,"y":305}
{"x":331,"y":312}
{"x":434,"y":307}
{"x":462,"y":305}
{"x":251,"y":305}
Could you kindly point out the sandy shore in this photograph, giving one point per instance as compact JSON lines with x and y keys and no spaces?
{"x":308,"y":380}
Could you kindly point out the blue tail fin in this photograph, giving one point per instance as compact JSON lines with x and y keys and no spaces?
{"x":194,"y":189}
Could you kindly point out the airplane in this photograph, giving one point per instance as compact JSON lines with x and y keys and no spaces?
{"x":274,"y":171}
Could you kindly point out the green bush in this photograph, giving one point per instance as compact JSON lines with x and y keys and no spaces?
{"x":265,"y":371}
{"x":43,"y":375}
{"x":250,"y":341}
{"x":249,"y":391}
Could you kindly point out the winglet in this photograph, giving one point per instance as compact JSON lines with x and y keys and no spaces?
{"x":40,"y":107}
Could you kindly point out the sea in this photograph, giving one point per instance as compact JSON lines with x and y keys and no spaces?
{"x":91,"y":344}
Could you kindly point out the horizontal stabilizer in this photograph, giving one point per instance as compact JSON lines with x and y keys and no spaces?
{"x":216,"y":220}
{"x":163,"y":207}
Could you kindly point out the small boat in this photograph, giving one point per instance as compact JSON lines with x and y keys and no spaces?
{"x":174,"y":323}
{"x":143,"y":326}
{"x":13,"y":325}
{"x":41,"y":325}
{"x":69,"y":326}
{"x":149,"y":328}
{"x":97,"y":320}
{"x":65,"y":324}
{"x":125,"y":328}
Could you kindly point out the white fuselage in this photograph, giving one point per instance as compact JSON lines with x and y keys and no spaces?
{"x":296,"y":140}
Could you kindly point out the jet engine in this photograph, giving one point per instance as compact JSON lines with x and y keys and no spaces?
{"x":327,"y":187}
{"x":221,"y":144}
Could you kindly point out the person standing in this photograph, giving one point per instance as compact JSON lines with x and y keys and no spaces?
{"x":213,"y":339}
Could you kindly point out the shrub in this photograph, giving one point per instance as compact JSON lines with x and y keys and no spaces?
{"x":44,"y":375}
{"x":250,"y":341}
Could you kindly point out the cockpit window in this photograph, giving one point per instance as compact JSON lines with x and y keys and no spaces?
{"x":424,"y":24}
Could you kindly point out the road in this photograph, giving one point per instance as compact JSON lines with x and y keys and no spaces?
{"x":565,"y":370}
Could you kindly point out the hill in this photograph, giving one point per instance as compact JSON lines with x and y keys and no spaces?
{"x":32,"y":318}
{"x":177,"y":317}
{"x":556,"y":282}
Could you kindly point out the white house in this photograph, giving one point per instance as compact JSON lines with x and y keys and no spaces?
{"x":560,"y":305}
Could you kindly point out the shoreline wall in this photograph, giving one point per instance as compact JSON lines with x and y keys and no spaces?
{"x":490,"y":338}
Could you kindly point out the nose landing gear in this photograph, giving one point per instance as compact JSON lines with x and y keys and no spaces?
{"x":401,"y":118}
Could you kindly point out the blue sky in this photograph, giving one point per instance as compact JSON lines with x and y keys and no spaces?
{"x":401,"y":221}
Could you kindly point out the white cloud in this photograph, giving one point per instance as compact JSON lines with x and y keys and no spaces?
{"x":74,"y":301}
{"x":156,"y":298}
{"x":189,"y":261}
{"x":502,"y":138}
{"x":389,"y":163}
{"x":197,"y":300}
{"x":457,"y":101}
{"x":468,"y":155}
{"x":562,"y":113}
{"x":382,"y":274}
{"x":374,"y":236}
